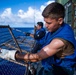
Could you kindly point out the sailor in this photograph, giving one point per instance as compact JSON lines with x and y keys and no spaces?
{"x":58,"y":53}
{"x":38,"y":36}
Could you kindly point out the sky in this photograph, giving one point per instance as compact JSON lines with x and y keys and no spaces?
{"x":22,"y":13}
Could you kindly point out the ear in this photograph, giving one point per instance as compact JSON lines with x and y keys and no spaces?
{"x":60,"y":20}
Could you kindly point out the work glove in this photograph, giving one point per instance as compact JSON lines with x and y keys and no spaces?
{"x":7,"y":54}
{"x":27,"y":34}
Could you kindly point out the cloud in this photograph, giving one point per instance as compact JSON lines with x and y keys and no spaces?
{"x":50,"y":1}
{"x":22,"y":18}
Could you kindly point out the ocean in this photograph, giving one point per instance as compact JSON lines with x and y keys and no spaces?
{"x":10,"y":68}
{"x":20,"y":31}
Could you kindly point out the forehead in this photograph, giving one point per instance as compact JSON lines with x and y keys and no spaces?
{"x":38,"y":25}
{"x":49,"y":19}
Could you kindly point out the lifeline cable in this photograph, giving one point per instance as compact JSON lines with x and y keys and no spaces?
{"x":18,"y":30}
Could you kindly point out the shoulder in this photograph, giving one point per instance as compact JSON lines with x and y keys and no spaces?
{"x":53,"y":47}
{"x":57,"y":42}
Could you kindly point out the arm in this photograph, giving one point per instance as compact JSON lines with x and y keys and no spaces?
{"x":46,"y":52}
{"x":36,"y":36}
{"x":39,"y":35}
{"x":29,"y":34}
{"x":32,"y":35}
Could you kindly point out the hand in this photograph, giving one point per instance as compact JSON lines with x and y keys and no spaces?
{"x":27,"y":34}
{"x":7,"y":54}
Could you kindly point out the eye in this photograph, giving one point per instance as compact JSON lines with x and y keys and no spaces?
{"x":48,"y":22}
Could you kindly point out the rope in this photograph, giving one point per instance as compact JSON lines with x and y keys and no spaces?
{"x":15,"y":62}
{"x":10,"y":46}
{"x":18,"y":30}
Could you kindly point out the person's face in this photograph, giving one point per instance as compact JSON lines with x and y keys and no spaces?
{"x":38,"y":27}
{"x":53,"y":24}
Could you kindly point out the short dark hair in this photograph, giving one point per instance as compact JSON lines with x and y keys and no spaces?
{"x":54,"y":10}
{"x":40,"y":24}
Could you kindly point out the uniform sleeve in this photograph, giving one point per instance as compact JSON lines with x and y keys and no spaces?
{"x":40,"y":35}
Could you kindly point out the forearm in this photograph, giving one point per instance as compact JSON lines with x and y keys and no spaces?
{"x":32,"y":57}
{"x":16,"y":55}
{"x":28,"y":57}
{"x":32,"y":35}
